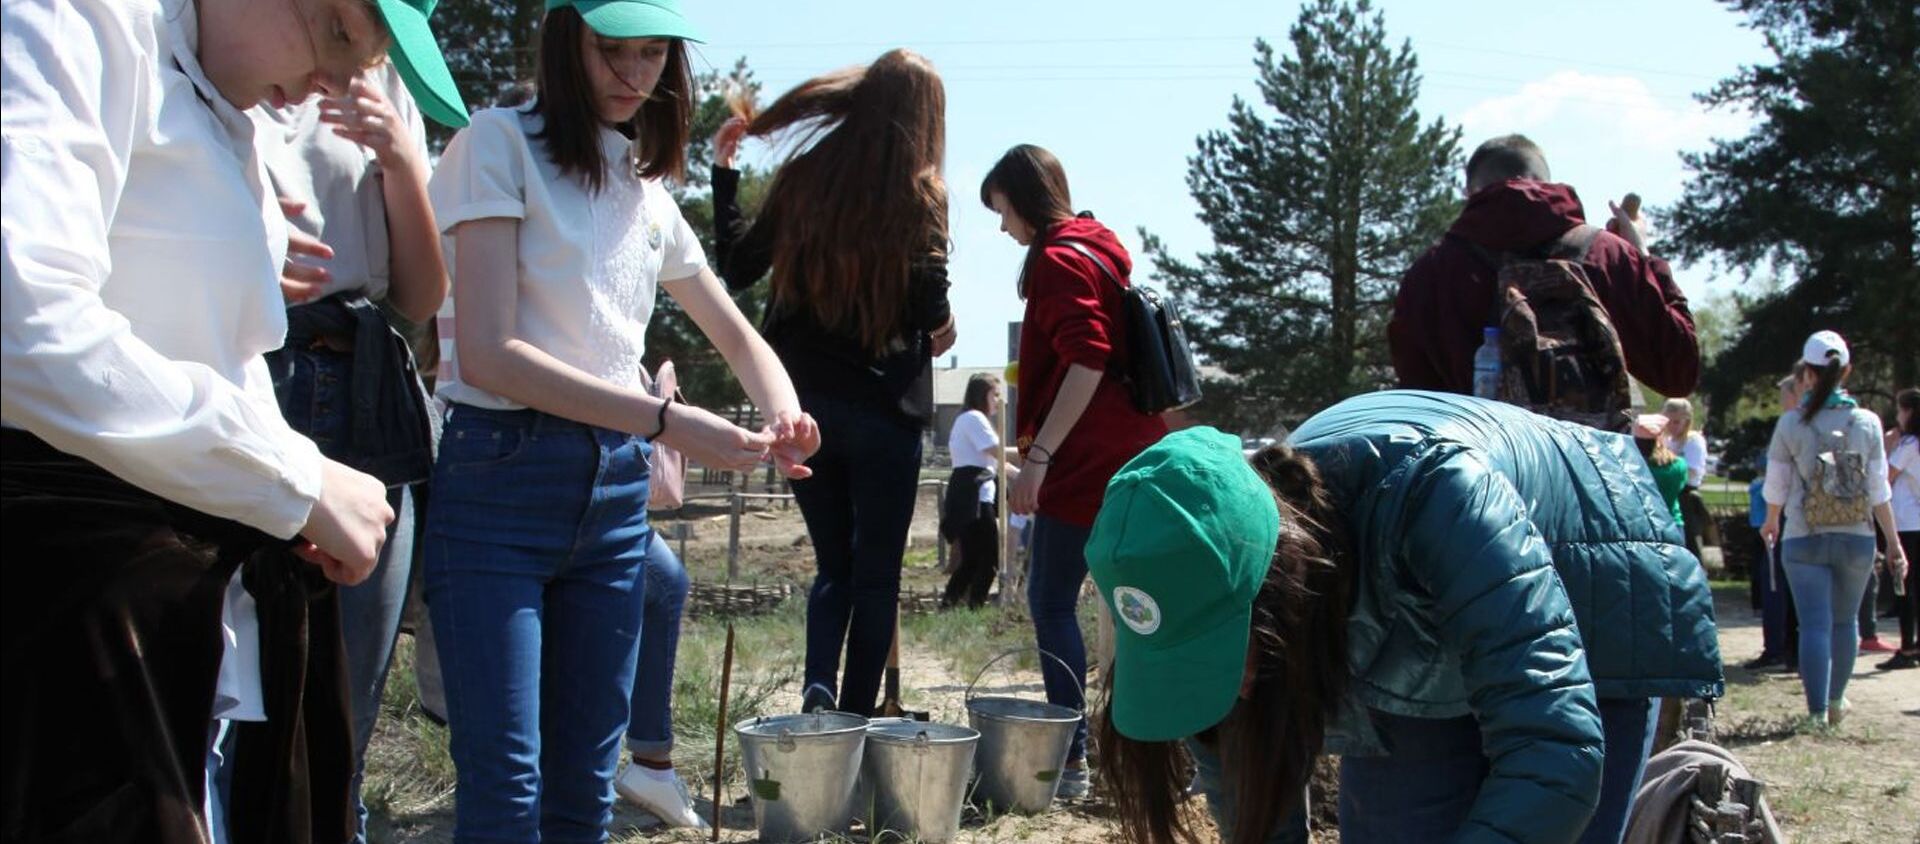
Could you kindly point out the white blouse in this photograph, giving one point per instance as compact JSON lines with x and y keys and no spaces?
{"x":140,"y":265}
{"x":141,"y":262}
{"x":591,"y":264}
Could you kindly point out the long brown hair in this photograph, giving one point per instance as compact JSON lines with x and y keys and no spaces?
{"x":1826,"y":380}
{"x":865,"y":200}
{"x":1035,"y":186}
{"x":571,"y":124}
{"x":1270,"y":740}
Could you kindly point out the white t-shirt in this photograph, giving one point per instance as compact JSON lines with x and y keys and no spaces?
{"x":591,"y":264}
{"x":1905,"y":459}
{"x":1694,"y":451}
{"x":974,"y":443}
{"x":339,"y":183}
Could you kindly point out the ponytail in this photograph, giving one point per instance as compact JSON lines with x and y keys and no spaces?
{"x":1826,"y":381}
{"x":1271,"y":740}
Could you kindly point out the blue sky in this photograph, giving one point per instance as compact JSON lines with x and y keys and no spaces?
{"x":1119,"y":91}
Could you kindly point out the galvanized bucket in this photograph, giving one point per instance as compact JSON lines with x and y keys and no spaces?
{"x":801,"y":770}
{"x":917,"y":774}
{"x":1023,"y":747}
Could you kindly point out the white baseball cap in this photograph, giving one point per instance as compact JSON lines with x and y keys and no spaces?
{"x":1824,"y":346}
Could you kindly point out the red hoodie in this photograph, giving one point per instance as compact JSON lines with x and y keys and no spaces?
{"x":1072,"y":317}
{"x":1447,"y":297}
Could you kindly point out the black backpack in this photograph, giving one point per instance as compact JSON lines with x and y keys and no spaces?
{"x":1160,"y":372}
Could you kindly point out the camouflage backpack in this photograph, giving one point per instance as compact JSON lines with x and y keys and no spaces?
{"x":1560,"y":355}
{"x":1836,"y":482}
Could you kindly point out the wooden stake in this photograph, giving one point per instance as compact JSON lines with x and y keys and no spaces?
{"x":720,"y":732}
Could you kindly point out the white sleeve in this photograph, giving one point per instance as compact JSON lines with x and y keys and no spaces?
{"x":683,"y":256}
{"x":76,"y":78}
{"x":482,"y":173}
{"x":1880,"y":488}
{"x":1781,"y":467}
{"x":1696,"y":455}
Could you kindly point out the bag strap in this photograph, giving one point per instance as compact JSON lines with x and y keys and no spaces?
{"x":1081,"y":248}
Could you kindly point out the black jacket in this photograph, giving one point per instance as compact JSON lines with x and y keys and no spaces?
{"x":820,"y":359}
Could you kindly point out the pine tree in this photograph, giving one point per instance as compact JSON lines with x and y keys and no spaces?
{"x":1317,"y":203}
{"x":1825,"y":191}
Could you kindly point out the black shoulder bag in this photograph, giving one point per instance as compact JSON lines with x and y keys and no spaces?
{"x":1160,"y":371}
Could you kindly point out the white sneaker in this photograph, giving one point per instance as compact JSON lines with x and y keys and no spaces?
{"x":660,"y":793}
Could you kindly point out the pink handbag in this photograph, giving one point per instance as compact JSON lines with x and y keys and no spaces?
{"x":667,"y":488}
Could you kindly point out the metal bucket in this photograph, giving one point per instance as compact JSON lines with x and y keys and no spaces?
{"x":801,"y":770}
{"x":918,"y":774}
{"x":1023,"y":748}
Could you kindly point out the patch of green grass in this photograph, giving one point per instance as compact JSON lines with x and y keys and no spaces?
{"x":767,"y":661}
{"x":408,"y":768}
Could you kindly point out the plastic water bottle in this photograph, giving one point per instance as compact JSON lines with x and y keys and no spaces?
{"x":1486,"y":365}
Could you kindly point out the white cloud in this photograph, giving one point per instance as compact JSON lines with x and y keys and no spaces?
{"x":1628,"y":111}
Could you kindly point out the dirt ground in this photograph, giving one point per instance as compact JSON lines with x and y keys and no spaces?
{"x":1854,"y":784}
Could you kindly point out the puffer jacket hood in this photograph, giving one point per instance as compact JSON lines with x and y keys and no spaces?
{"x":1519,"y":214}
{"x":1644,"y":609}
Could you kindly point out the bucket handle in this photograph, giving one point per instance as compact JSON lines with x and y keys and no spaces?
{"x":1037,"y":649}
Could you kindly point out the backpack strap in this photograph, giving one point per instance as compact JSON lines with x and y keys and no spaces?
{"x":1081,"y":248}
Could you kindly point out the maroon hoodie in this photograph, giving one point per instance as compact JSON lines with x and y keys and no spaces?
{"x":1446,"y":298}
{"x":1073,"y":317}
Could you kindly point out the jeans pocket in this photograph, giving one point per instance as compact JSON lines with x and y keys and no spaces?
{"x":476,"y":446}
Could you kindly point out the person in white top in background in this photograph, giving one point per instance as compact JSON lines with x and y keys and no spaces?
{"x":351,"y":170}
{"x":1691,"y":445}
{"x":969,"y":516}
{"x":144,"y":455}
{"x":561,"y":236}
{"x":1827,"y":471}
{"x":1903,"y":472}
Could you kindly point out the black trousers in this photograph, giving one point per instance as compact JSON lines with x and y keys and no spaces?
{"x":972,"y":579}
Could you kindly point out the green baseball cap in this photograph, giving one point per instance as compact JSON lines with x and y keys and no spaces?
{"x":632,"y":18}
{"x":416,"y":54}
{"x":1179,"y":551}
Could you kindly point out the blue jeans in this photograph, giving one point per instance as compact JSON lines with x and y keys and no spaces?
{"x":858,"y":506}
{"x":536,"y":534}
{"x":1829,"y":573}
{"x":1628,"y":724}
{"x":650,"y":728}
{"x":1423,"y":791}
{"x":1057,"y":567}
{"x":314,"y":388}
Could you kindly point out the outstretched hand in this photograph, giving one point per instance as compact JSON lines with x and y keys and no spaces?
{"x":1627,"y":226}
{"x":795,"y":438}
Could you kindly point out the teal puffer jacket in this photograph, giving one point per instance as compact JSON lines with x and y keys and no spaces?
{"x":1497,"y":547}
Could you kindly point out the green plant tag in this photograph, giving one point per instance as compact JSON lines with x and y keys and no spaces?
{"x":768,"y":790}
{"x":1047,"y":776}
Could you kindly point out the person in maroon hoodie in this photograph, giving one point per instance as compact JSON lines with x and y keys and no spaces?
{"x":1074,"y":422}
{"x":1446,"y":298}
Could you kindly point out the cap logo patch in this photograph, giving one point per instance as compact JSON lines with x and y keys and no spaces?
{"x":1137,"y":609}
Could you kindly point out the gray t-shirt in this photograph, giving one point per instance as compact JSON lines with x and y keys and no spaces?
{"x":1797,"y":446}
{"x":339,"y":182}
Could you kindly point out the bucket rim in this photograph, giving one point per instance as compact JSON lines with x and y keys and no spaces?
{"x":1073,"y":716}
{"x":908,"y":735}
{"x":766,"y":726}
